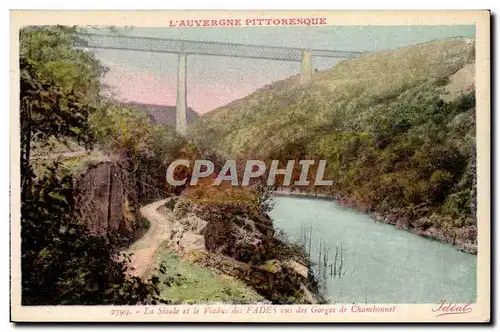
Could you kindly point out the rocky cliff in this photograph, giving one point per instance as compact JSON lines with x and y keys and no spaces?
{"x":109,"y":194}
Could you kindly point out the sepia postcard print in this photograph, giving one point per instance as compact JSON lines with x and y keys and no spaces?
{"x":250,"y":166}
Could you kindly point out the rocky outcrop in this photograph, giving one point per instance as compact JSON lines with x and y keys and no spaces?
{"x":220,"y":232}
{"x":241,"y":244}
{"x":227,"y":230}
{"x":101,"y":199}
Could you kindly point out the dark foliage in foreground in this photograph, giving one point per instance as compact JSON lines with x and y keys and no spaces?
{"x":62,"y":263}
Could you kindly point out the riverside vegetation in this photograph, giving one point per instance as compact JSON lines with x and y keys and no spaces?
{"x":396,"y":127}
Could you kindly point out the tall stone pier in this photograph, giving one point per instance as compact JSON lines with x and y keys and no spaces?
{"x":306,"y":67}
{"x":181,"y":120}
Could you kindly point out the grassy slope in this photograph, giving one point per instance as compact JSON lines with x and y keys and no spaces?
{"x":191,"y":283}
{"x":380,"y":121}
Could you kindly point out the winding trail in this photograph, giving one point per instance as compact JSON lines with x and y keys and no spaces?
{"x":143,"y":250}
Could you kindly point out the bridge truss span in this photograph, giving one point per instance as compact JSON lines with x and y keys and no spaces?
{"x":177,"y":46}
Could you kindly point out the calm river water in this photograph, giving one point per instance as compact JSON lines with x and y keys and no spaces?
{"x":381,"y":264}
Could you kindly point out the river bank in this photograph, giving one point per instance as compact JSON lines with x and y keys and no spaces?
{"x":463,"y":239}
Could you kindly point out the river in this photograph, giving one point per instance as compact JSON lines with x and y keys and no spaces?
{"x":381,"y":264}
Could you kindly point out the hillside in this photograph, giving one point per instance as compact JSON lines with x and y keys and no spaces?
{"x":397,"y":129}
{"x":162,"y":114}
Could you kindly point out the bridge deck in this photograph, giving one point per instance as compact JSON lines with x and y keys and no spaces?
{"x":176,"y":46}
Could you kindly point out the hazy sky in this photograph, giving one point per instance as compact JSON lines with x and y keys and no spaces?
{"x":216,"y":81}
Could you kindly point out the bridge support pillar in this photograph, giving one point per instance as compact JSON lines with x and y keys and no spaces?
{"x":306,"y":67}
{"x":181,"y":108}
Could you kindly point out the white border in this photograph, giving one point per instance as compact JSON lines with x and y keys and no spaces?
{"x":145,"y":4}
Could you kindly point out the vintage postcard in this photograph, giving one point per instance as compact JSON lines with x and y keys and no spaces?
{"x":250,"y":166}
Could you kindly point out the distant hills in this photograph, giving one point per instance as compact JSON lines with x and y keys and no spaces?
{"x":163,"y":114}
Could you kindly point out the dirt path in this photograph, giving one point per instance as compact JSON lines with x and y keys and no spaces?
{"x":143,"y":250}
